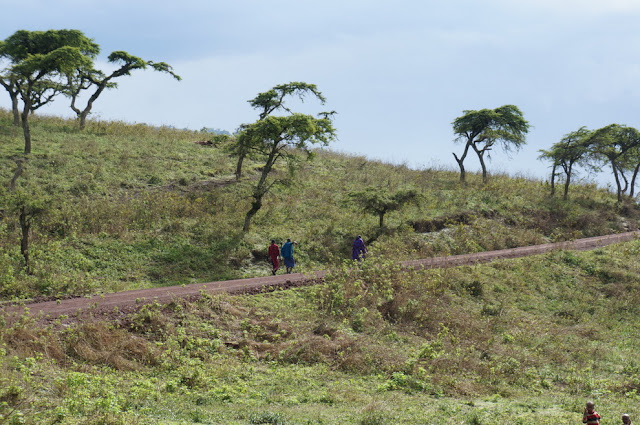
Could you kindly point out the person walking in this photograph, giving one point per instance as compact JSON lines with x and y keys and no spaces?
{"x":274,"y":253}
{"x":287,"y":255}
{"x":359,"y":250}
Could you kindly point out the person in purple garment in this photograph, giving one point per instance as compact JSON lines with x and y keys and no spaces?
{"x":359,"y":251}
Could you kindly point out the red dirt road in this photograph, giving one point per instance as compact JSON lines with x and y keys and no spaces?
{"x":128,"y":300}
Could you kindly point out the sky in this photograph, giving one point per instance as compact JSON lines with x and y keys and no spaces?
{"x":397,"y":73}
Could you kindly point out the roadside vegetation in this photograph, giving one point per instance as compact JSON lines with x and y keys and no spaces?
{"x":118,"y":206}
{"x":524,"y":341}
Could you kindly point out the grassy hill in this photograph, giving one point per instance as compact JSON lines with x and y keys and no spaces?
{"x":130,"y":206}
{"x":524,"y":341}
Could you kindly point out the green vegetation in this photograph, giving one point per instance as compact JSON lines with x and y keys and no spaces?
{"x":120,"y":206}
{"x":484,"y":129}
{"x":616,"y":146}
{"x":524,"y":341}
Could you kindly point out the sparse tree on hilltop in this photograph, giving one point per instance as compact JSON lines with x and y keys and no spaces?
{"x":82,"y":79}
{"x":618,"y":145}
{"x":481,"y":130}
{"x":267,"y":103}
{"x":275,"y":138}
{"x":36,"y":59}
{"x":571,"y":150}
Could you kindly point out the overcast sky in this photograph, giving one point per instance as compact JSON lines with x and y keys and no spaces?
{"x":398,"y":73}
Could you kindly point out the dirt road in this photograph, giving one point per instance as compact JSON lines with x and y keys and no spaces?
{"x":129,"y":300}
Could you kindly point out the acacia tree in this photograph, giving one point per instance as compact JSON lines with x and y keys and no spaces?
{"x":618,"y":145}
{"x":571,"y":150}
{"x":379,"y":201}
{"x":86,"y":78}
{"x":36,"y":59}
{"x":482,"y":130}
{"x":276,"y":138}
{"x":267,"y":103}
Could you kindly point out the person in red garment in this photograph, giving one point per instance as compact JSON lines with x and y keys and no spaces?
{"x":590,"y":417}
{"x":274,"y":253}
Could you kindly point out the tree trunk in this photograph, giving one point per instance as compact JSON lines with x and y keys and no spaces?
{"x":460,"y":161}
{"x":82,"y":116}
{"x":617,"y":178}
{"x":485,"y":178}
{"x":15,"y":110}
{"x":566,"y":185}
{"x":553,"y":180}
{"x":633,"y":180}
{"x":261,"y":188}
{"x":24,"y":241}
{"x":255,"y":207}
{"x":83,"y":119}
{"x":26,"y":130}
{"x":239,"y":166}
{"x":480,"y":154}
{"x":381,"y":221}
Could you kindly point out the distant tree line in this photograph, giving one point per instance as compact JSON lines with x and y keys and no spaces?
{"x":615,"y":146}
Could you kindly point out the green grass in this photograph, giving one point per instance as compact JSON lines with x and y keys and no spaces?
{"x":524,"y":341}
{"x":130,"y":206}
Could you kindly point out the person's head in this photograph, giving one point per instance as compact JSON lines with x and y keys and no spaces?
{"x":626,"y":419}
{"x":288,"y":239}
{"x":358,"y":237}
{"x":273,"y":241}
{"x":590,"y":406}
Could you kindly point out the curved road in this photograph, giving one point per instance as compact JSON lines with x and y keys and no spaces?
{"x":128,"y":300}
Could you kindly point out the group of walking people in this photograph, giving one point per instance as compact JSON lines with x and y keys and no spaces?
{"x":284,"y":254}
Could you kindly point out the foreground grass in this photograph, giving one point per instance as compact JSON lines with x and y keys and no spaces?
{"x":520,"y":341}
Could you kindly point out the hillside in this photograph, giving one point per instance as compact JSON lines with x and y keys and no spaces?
{"x":122,"y":207}
{"x":129,"y":206}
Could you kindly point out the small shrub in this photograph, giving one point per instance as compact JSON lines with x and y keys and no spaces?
{"x":267,"y":418}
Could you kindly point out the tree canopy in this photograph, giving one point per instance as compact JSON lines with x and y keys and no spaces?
{"x":572,"y":149}
{"x":482,"y":130}
{"x":35,"y":59}
{"x":85,"y":78}
{"x":380,"y":201}
{"x":618,"y":145}
{"x":268,"y":103}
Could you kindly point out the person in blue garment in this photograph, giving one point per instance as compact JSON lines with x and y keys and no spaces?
{"x":287,"y":254}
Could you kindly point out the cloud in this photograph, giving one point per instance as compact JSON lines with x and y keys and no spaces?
{"x":574,"y":7}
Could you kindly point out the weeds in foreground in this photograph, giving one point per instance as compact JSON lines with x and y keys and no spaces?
{"x":518,"y":340}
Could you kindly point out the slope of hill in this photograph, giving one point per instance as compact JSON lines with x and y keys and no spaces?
{"x":123,"y":207}
{"x":521,"y":340}
{"x":129,"y":206}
